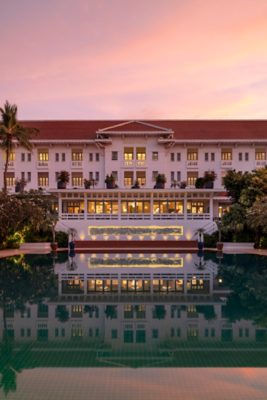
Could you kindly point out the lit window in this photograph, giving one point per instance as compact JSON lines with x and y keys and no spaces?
{"x":77,"y":155}
{"x":128,"y":178}
{"x":260,"y":155}
{"x":192,"y":155}
{"x":226,"y":155}
{"x":128,"y":153}
{"x":141,"y":153}
{"x":43,"y":179}
{"x":191,"y":178}
{"x":77,"y":179}
{"x":10,"y":178}
{"x":43,"y":155}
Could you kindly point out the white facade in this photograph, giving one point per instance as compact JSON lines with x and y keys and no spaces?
{"x":133,"y":151}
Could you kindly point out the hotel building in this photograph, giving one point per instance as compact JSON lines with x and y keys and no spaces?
{"x":137,"y":151}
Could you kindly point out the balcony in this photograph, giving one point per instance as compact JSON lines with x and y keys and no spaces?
{"x":260,"y":163}
{"x":134,"y":163}
{"x":192,"y":164}
{"x":140,"y":163}
{"x":76,"y":164}
{"x":128,"y":163}
{"x":226,"y":163}
{"x":42,"y":164}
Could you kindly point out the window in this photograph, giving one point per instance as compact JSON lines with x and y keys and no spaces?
{"x":97,"y":176}
{"x":128,"y":178}
{"x":77,"y":179}
{"x":178,"y":174}
{"x":29,"y":176}
{"x":114,"y":156}
{"x":260,"y":155}
{"x":172,"y":176}
{"x":10,"y":177}
{"x":155,"y":156}
{"x":178,"y":156}
{"x":206,"y":156}
{"x":191,"y":178}
{"x":195,"y":207}
{"x":128,"y":153}
{"x":212,"y":156}
{"x":57,"y":157}
{"x":97,"y":157}
{"x":72,"y":207}
{"x":172,"y":157}
{"x":43,"y":179}
{"x":115,"y":175}
{"x":90,"y":157}
{"x":91,"y":175}
{"x":141,"y":153}
{"x":29,"y":157}
{"x":155,"y":333}
{"x":246,"y":156}
{"x":154,"y":175}
{"x":23,"y":175}
{"x":141,"y":177}
{"x":22,"y":157}
{"x":240,"y":156}
{"x":192,"y":155}
{"x":114,"y":334}
{"x":63,"y":157}
{"x":12,"y":156}
{"x":226,"y":155}
{"x":43,"y":155}
{"x":77,"y":155}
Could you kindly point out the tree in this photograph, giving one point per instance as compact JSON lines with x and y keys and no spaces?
{"x":257,"y":218}
{"x":235,"y":219}
{"x":10,"y":132}
{"x":235,"y":182}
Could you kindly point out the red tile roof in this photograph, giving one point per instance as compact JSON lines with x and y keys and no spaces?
{"x":183,"y":129}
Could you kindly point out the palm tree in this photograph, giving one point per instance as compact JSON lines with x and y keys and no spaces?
{"x":10,"y":131}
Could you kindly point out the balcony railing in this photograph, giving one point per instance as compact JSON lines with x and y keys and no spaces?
{"x":128,"y":163}
{"x":134,"y":163}
{"x":198,"y":216}
{"x":167,"y":216}
{"x":76,"y":164}
{"x":72,"y":216}
{"x":226,"y":163}
{"x":42,"y":164}
{"x":192,"y":164}
{"x":260,"y":163}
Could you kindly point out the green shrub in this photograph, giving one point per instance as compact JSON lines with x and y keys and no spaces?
{"x":263,"y":242}
{"x":62,"y":239}
{"x":210,"y":240}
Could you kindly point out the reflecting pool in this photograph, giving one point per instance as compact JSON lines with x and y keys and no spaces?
{"x":121,"y":326}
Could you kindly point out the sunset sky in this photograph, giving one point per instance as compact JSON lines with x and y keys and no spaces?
{"x":137,"y":59}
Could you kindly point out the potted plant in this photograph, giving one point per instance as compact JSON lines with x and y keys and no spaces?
{"x":209,"y":178}
{"x":62,"y":179}
{"x":20,"y":185}
{"x":110,"y":182}
{"x":183,"y":185}
{"x":87,"y":183}
{"x":200,"y":183}
{"x":160,"y":181}
{"x":136,"y":185}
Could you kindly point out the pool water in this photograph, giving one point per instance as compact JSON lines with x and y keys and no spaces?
{"x":133,"y":325}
